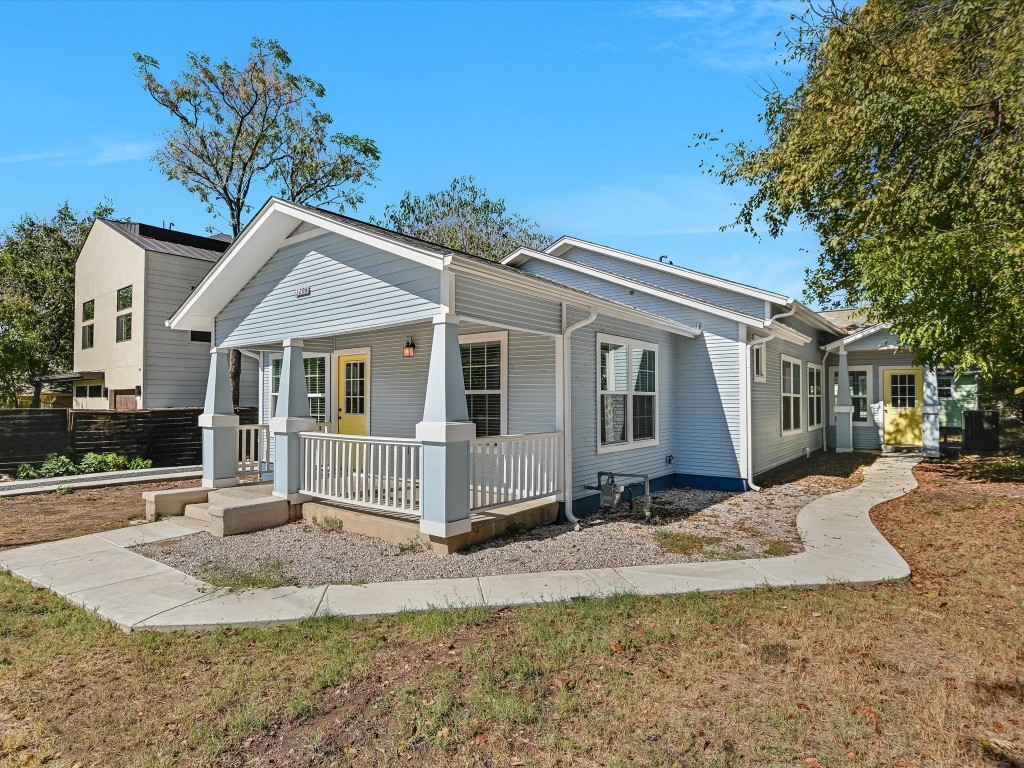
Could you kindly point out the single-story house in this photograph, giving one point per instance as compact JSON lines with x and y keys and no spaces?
{"x":402,"y":377}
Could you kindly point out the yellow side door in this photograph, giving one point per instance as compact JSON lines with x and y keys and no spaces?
{"x":353,"y":395}
{"x":903,"y":393}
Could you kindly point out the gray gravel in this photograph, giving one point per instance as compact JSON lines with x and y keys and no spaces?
{"x":727,"y":525}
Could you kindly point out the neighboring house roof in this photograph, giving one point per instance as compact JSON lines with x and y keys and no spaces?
{"x":847,"y":320}
{"x":862,"y":333}
{"x":171,"y":241}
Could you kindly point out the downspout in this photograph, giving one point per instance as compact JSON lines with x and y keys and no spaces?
{"x":748,"y":427}
{"x":567,"y":413}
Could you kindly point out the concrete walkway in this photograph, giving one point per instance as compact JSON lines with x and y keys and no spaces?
{"x":135,"y":592}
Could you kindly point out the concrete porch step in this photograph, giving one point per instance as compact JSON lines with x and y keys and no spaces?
{"x":191,"y":522}
{"x":240,"y":493}
{"x":199,"y":511}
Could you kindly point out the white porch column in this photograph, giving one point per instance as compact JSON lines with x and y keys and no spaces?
{"x":220,"y":426}
{"x":843,"y":408}
{"x":445,"y":433}
{"x":930,"y":414}
{"x":290,"y":418}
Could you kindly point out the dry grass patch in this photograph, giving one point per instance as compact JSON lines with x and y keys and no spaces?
{"x":926,"y":672}
{"x":682,"y":542}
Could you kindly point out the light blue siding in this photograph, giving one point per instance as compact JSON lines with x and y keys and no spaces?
{"x":610,"y":289}
{"x":583,"y":360}
{"x":679,"y":283}
{"x":352,"y":285}
{"x":770,"y":447}
{"x":506,"y":307}
{"x":707,"y":410}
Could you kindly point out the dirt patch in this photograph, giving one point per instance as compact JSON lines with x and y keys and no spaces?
{"x":40,"y":517}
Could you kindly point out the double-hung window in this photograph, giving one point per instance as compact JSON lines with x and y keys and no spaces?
{"x":315,"y":368}
{"x":945,"y":384}
{"x":123,"y":331}
{"x":627,"y":393}
{"x":815,"y":391}
{"x":860,"y":392}
{"x":792,"y":376}
{"x":484,"y":372}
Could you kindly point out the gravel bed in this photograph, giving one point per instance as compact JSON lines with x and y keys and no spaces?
{"x":719,"y":525}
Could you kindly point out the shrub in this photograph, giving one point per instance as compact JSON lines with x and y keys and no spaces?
{"x":140,"y":463}
{"x":102,"y":462}
{"x":27,"y":472}
{"x":58,"y":465}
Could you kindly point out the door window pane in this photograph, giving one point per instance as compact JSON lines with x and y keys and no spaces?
{"x":355,"y":388}
{"x":903,"y":390}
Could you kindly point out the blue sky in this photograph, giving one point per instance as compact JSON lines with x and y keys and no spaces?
{"x":579,"y":114}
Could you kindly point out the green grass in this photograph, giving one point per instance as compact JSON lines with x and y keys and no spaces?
{"x":683,"y":543}
{"x":779,"y":548}
{"x":329,"y":524}
{"x":269,"y":574}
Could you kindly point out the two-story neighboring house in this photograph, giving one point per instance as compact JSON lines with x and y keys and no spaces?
{"x":129,"y":278}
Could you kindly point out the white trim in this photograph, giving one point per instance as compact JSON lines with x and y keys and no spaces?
{"x":629,"y":344}
{"x":783,"y":358}
{"x":821,"y":373}
{"x":270,"y":357}
{"x":746,"y":440}
{"x":790,"y":334}
{"x":863,"y":333}
{"x":502,"y":337}
{"x":831,"y":373}
{"x":660,"y":293}
{"x":445,"y":530}
{"x":759,"y":350}
{"x":565,"y":243}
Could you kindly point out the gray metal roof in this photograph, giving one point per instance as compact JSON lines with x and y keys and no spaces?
{"x":171,"y":241}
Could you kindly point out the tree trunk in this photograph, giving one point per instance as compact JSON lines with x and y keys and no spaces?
{"x":235,"y":373}
{"x":37,"y":394}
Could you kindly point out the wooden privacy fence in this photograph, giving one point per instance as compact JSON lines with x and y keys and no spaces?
{"x":170,"y":437}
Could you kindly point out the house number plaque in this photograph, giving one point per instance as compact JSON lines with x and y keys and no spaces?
{"x":303,"y":291}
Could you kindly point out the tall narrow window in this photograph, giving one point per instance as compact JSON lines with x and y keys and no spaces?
{"x":124,"y":327}
{"x":88,"y":310}
{"x":87,"y":336}
{"x":315,"y":369}
{"x":815,"y":389}
{"x":760,"y":376}
{"x":483,"y":377}
{"x":791,"y":395}
{"x":124,"y":298}
{"x":627,"y":392}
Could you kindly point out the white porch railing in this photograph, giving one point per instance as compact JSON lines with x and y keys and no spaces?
{"x":376,"y":472}
{"x":253,"y":448}
{"x":510,"y":468}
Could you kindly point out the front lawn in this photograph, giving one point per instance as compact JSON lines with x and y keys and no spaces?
{"x":924,"y":673}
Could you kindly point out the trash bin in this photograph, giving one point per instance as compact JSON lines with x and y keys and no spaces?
{"x":981,"y":430}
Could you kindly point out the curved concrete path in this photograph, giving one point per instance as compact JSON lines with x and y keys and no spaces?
{"x":136,"y":592}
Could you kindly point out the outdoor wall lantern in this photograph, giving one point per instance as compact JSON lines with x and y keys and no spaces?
{"x":410,"y":347}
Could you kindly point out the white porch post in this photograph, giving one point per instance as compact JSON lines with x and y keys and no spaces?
{"x":930,"y":414}
{"x":290,"y":418}
{"x":445,"y":433}
{"x":843,"y":409}
{"x":220,"y":426}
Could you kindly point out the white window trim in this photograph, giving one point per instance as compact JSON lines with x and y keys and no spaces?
{"x":799,"y":396}
{"x":833,"y":372}
{"x":328,"y":384}
{"x":629,"y":344}
{"x":502,"y":337}
{"x":821,"y":372}
{"x":760,"y":351}
{"x":952,"y":386}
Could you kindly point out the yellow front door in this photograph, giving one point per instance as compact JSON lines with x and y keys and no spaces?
{"x":902,"y":393}
{"x":353,"y":395}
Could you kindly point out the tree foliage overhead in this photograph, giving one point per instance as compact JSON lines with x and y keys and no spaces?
{"x":37,"y":296}
{"x":255,"y":123}
{"x":464,"y":218}
{"x":901,"y":148}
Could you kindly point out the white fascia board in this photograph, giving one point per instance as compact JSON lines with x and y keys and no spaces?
{"x":563,"y":244}
{"x":259,"y":241}
{"x":520,"y":256}
{"x":650,"y":290}
{"x":528,"y":284}
{"x":790,"y":334}
{"x":863,"y":333}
